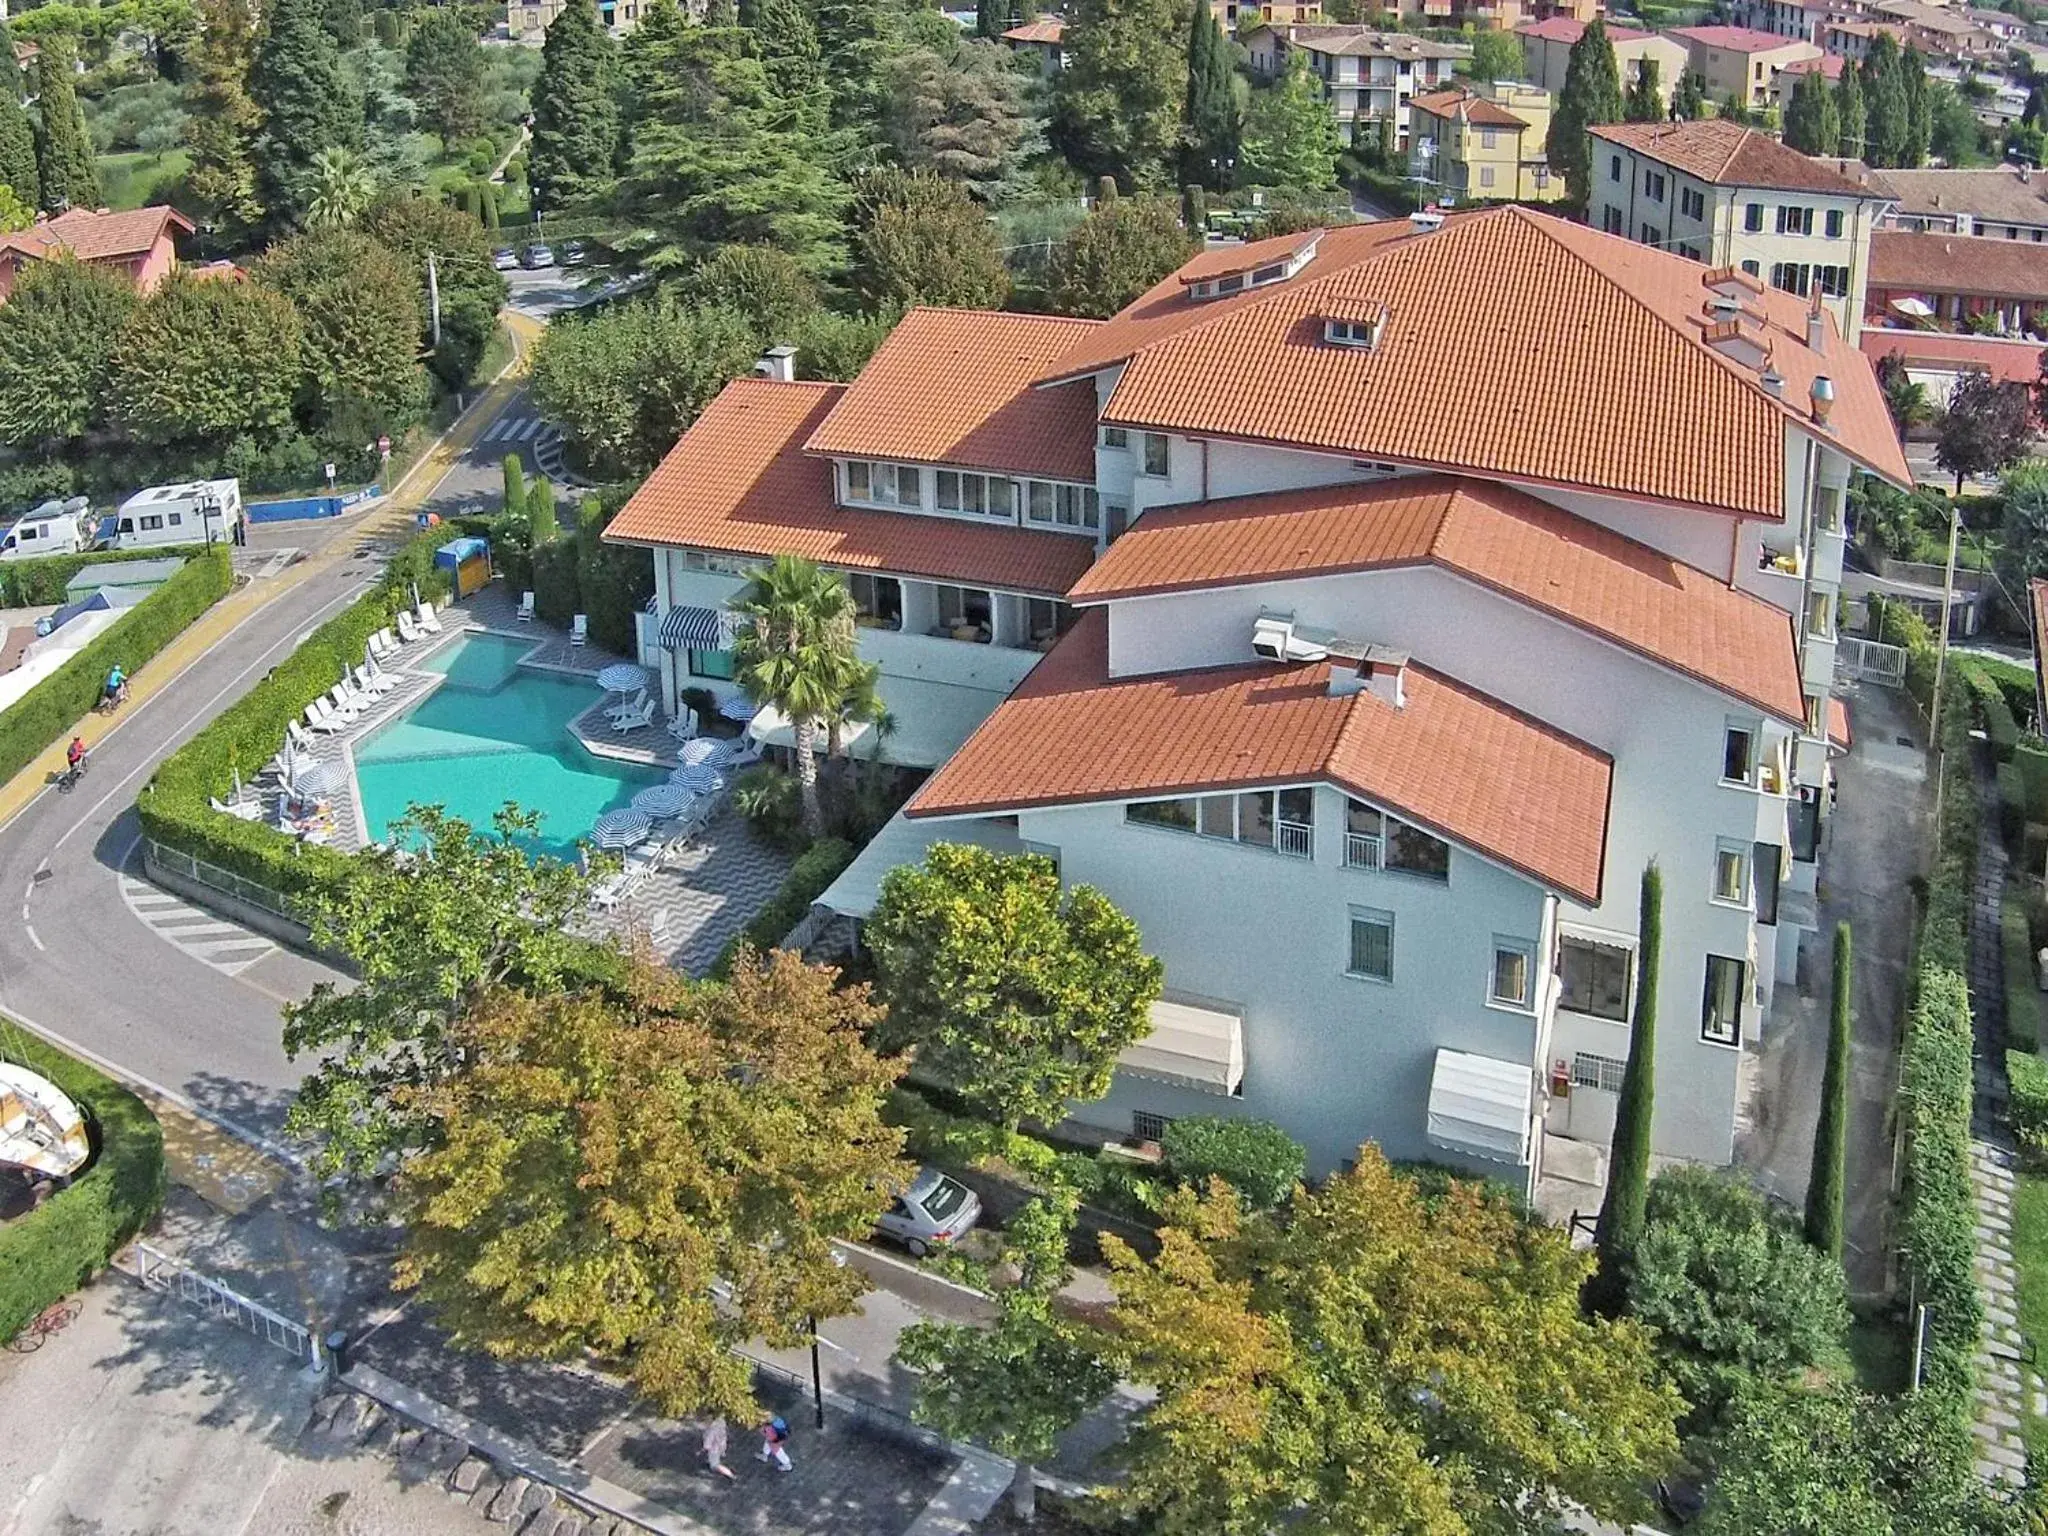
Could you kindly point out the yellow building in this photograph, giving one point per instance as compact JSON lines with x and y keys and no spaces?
{"x":1483,"y":143}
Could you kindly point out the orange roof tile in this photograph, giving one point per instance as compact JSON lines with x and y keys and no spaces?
{"x":2008,"y":360}
{"x":740,"y":483}
{"x":1736,"y":39}
{"x":1475,"y":109}
{"x":953,"y":386}
{"x":1972,"y":265}
{"x":1568,"y":30}
{"x":1222,"y":260}
{"x":1519,"y":345}
{"x":92,"y":236}
{"x":1840,"y":736}
{"x":1042,"y":29}
{"x":1728,"y":154}
{"x":1503,"y":539}
{"x":1451,"y":759}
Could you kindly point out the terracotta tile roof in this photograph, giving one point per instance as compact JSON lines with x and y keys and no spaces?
{"x":953,"y":386}
{"x":1997,"y":193}
{"x":2007,"y":361}
{"x":1568,"y":30}
{"x":1045,"y":29}
{"x":1222,"y":260}
{"x":92,"y":236}
{"x":1840,"y":736}
{"x":1519,"y":346}
{"x":1503,"y":539}
{"x":1475,"y":109}
{"x":1736,"y":39}
{"x":1829,"y":64}
{"x":1728,"y":154}
{"x":1971,"y":265}
{"x":1451,"y":759}
{"x":1367,"y":42}
{"x":740,"y":483}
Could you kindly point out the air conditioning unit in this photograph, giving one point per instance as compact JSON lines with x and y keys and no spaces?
{"x":1276,"y":637}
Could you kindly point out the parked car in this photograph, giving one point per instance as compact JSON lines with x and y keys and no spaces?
{"x":504,"y":258}
{"x":575,"y":254}
{"x":537,"y":255}
{"x":934,"y":1210}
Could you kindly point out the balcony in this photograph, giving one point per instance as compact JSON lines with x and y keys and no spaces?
{"x":1781,"y":578}
{"x":1362,"y":850}
{"x":1828,"y":545}
{"x":1294,"y":839}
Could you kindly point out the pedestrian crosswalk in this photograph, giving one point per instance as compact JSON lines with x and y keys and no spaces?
{"x":206,"y":937}
{"x":512,"y":428}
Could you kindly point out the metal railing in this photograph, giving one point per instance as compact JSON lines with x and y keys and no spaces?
{"x":159,"y":1271}
{"x":226,"y":881}
{"x":1870,"y":661}
{"x":1294,"y":839}
{"x":1362,"y":850}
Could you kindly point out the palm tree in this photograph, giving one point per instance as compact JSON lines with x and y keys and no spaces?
{"x":797,"y":653}
{"x":341,"y":186}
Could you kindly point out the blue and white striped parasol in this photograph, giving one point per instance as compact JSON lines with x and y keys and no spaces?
{"x":737,"y":706}
{"x":662,"y":801}
{"x":699,"y":778}
{"x":317,"y":779}
{"x":704,"y":749}
{"x":621,"y":828}
{"x":622,"y":677}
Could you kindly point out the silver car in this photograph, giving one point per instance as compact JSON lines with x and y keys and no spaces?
{"x":932,"y":1211}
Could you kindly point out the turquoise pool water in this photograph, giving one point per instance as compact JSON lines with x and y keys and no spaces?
{"x":494,"y":732}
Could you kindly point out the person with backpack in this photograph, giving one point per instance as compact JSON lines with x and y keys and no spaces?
{"x":775,"y":1441}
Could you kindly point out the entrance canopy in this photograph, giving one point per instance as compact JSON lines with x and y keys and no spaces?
{"x":1190,"y":1046}
{"x":1481,"y":1106}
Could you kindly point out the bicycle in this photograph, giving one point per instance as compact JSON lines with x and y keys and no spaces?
{"x":68,"y":779}
{"x":52,"y":1319}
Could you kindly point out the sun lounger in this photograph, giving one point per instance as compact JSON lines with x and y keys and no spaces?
{"x":629,"y":707}
{"x":745,"y":753}
{"x":684,"y":726}
{"x":579,"y":630}
{"x":526,"y":607}
{"x":295,"y":735}
{"x":247,"y":810}
{"x":321,"y":716}
{"x":635,"y":720}
{"x":376,"y":684}
{"x":428,"y":620}
{"x":342,"y":707}
{"x":407,"y":631}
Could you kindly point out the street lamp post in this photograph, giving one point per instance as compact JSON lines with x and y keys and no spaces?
{"x":817,"y":1376}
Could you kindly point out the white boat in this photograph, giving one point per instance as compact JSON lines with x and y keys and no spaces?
{"x":41,"y":1130}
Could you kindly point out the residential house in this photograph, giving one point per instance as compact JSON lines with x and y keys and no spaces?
{"x":1740,"y":61}
{"x":1401,"y":652}
{"x":1728,"y":196}
{"x":1828,"y":66}
{"x":1367,"y":76}
{"x":141,"y":243}
{"x":1483,"y":143}
{"x":1959,"y":280}
{"x":2006,"y":202}
{"x":1040,"y":39}
{"x":1800,"y":20}
{"x":531,"y":18}
{"x":1938,"y":359}
{"x":1547,"y":50}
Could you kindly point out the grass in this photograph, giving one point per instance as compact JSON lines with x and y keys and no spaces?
{"x":2030,"y":1258}
{"x":1880,"y":1352}
{"x":137,"y":178}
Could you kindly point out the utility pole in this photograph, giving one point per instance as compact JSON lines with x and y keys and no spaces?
{"x":434,"y":303}
{"x":1948,"y":592}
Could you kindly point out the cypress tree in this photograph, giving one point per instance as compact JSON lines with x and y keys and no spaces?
{"x":1824,"y":1186}
{"x":575,"y":111}
{"x":309,"y":101}
{"x":18,"y":152}
{"x":1689,"y":102}
{"x":12,"y":85}
{"x":540,"y":513}
{"x":721,"y":13}
{"x":1645,"y":99}
{"x":64,"y":160}
{"x":1620,"y":1226}
{"x":1919,"y":109}
{"x":1849,"y":114}
{"x":789,"y":52}
{"x":856,"y":41}
{"x":515,"y":486}
{"x":1885,"y":109}
{"x":991,"y":18}
{"x":1212,"y":126}
{"x":1812,"y":125}
{"x":1591,"y":94}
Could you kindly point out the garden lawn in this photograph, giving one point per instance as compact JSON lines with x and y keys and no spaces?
{"x":137,"y":178}
{"x":2030,"y":1256}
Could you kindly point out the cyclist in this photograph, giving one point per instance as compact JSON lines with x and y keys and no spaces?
{"x":75,"y":753}
{"x":117,"y":686}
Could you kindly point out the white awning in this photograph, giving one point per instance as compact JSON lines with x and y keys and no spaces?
{"x":1190,"y":1047}
{"x":932,"y":721}
{"x":1481,"y":1106}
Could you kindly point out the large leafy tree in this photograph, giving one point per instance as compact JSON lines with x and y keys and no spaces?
{"x":856,"y":39}
{"x":433,"y":923}
{"x":1988,"y":426}
{"x":201,"y":360}
{"x":1886,"y":110}
{"x":1115,"y":254}
{"x":1118,"y":101}
{"x":1017,"y":994}
{"x":1209,"y":157}
{"x":310,"y":102}
{"x":1377,"y":1358}
{"x":1620,"y":1224}
{"x":921,"y":240}
{"x":58,"y":331}
{"x":471,"y":288}
{"x":1591,"y":95}
{"x":224,"y":119}
{"x":359,"y":309}
{"x":788,"y":45}
{"x":575,"y":111}
{"x":796,"y":651}
{"x":765,"y":286}
{"x":963,"y":113}
{"x":1689,"y":101}
{"x":1825,"y":1185}
{"x":1495,"y":56}
{"x":65,"y":167}
{"x":654,"y":1172}
{"x":1813,"y":122}
{"x":12,"y":83}
{"x":1019,"y":1384}
{"x":1290,"y":139}
{"x":444,"y":71}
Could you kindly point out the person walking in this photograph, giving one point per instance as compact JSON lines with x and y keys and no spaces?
{"x":714,"y":1446}
{"x":775,"y":1441}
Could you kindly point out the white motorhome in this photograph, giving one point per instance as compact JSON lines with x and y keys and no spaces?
{"x":54,"y":528}
{"x":197,"y":512}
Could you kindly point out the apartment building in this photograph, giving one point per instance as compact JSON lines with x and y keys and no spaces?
{"x":1955,"y":281}
{"x":1729,"y":196}
{"x":2006,"y":202}
{"x":1740,"y":61}
{"x":1547,"y":50}
{"x":1380,"y":657}
{"x":1800,"y":20}
{"x":1367,"y":76}
{"x":1828,"y":66}
{"x":1483,"y":143}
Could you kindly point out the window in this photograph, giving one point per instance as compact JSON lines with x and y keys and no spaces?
{"x":1816,"y":715}
{"x":1614,"y":168}
{"x":1691,"y":253}
{"x":1364,"y":830}
{"x":1731,"y":873}
{"x":1721,"y":1003}
{"x":1269,"y":274}
{"x":1486,"y":176}
{"x":1751,"y":268}
{"x":1038,"y":502}
{"x":1692,"y":203}
{"x":1513,"y":982}
{"x":1820,"y":615}
{"x":1653,"y":186}
{"x":1767,"y":860}
{"x":713,"y":664}
{"x":1155,"y":453}
{"x":1413,"y":851}
{"x":1115,"y":437}
{"x":177,"y":518}
{"x":1487,"y":137}
{"x":879,"y":598}
{"x":1834,"y":224}
{"x":982,"y":495}
{"x":1372,"y":945}
{"x":152,"y":520}
{"x":1791,"y":276}
{"x":1602,"y":1072}
{"x":856,"y":481}
{"x":1261,"y":818}
{"x":1738,"y":754}
{"x":1794,"y":219}
{"x":898,"y":484}
{"x":1610,"y":219}
{"x":1652,"y":235}
{"x":1356,"y":333}
{"x":1593,"y":978}
{"x":1044,"y":618}
{"x":1146,"y":1126}
{"x":1753,"y":217}
{"x":1834,"y":281}
{"x":1178,"y":815}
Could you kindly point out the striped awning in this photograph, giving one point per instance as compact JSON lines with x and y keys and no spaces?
{"x":696,"y":629}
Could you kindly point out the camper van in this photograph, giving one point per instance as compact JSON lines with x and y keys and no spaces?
{"x":197,"y":512}
{"x":54,"y":528}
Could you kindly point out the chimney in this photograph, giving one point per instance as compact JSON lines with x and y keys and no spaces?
{"x":1822,"y":398}
{"x":1774,"y":383}
{"x":1381,"y":673}
{"x":1816,"y":327}
{"x":779,"y":364}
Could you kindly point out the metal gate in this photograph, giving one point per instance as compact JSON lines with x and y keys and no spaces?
{"x":1870,"y":661}
{"x":159,"y":1271}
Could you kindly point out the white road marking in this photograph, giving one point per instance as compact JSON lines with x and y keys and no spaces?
{"x":195,"y":930}
{"x":527,"y":428}
{"x":33,"y":938}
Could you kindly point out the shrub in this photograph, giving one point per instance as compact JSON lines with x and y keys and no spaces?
{"x":817,"y":867}
{"x":557,"y":594}
{"x":1936,"y":1216}
{"x":52,"y":1251}
{"x":30,"y":583}
{"x":1992,"y":711}
{"x":2030,"y":757}
{"x":59,"y":701}
{"x":2012,"y":807}
{"x":2028,"y":1075}
{"x":1258,"y":1160}
{"x":768,"y":801}
{"x":2022,"y":993}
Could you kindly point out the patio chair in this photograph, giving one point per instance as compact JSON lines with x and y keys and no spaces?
{"x":406,"y":629}
{"x":629,"y":707}
{"x":429,"y":621}
{"x":391,"y":643}
{"x":579,"y":630}
{"x":295,"y":734}
{"x":525,"y":614}
{"x":745,"y":753}
{"x":340,"y":708}
{"x":247,"y":810}
{"x":322,"y":718}
{"x":379,"y":645}
{"x":636,"y":720}
{"x":684,"y":725}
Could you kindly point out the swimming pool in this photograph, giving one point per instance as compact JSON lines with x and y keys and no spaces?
{"x":494,"y":732}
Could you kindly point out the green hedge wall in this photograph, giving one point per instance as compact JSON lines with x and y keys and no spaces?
{"x":2030,"y":758}
{"x":1992,"y":710}
{"x":2022,"y":995}
{"x":31,"y":583}
{"x":59,"y":701}
{"x":2028,"y":1075}
{"x":815,"y":869}
{"x":173,"y":805}
{"x":51,"y":1252}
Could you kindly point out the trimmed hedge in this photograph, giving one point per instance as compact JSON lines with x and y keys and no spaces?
{"x":1254,"y":1157}
{"x":66,"y":696}
{"x":2028,"y":1075}
{"x":173,"y":806}
{"x":2022,"y":993}
{"x":815,"y":869}
{"x":51,"y":1252}
{"x":2030,"y":761}
{"x":31,"y":583}
{"x":1992,"y":710}
{"x":2012,"y":807}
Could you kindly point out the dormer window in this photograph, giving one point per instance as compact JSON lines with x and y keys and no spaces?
{"x":1212,"y":275}
{"x":1351,"y":333}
